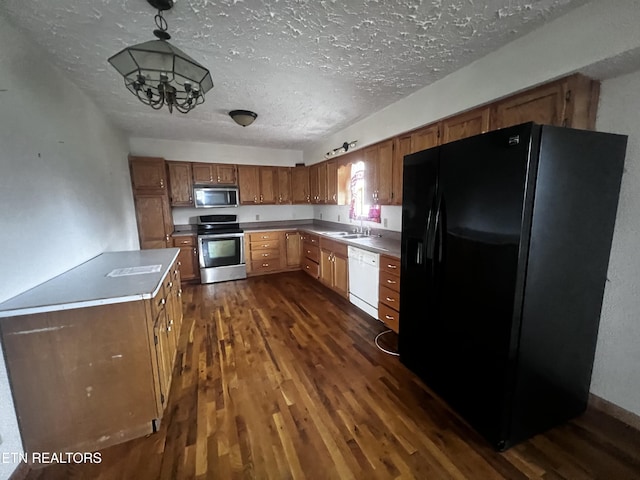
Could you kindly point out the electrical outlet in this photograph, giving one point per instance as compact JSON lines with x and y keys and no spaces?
{"x":338,"y":217}
{"x":320,"y":216}
{"x":384,"y":222}
{"x":257,"y":217}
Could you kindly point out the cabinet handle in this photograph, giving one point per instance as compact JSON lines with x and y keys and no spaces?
{"x":334,"y":197}
{"x":170,"y":322}
{"x":255,"y":199}
{"x":389,"y":317}
{"x":392,"y":266}
{"x":163,"y":301}
{"x":265,"y":254}
{"x":265,"y":246}
{"x":170,"y":284}
{"x":389,"y":299}
{"x":180,"y":292}
{"x":218,"y":178}
{"x":190,"y":199}
{"x":261,"y":198}
{"x":265,"y":264}
{"x":166,"y":237}
{"x":162,"y":183}
{"x":391,"y":281}
{"x":265,"y":237}
{"x":168,"y":329}
{"x":195,"y":252}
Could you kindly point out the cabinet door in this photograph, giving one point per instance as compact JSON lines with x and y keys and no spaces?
{"x":326,"y":267}
{"x":323,"y":195}
{"x":341,"y":275}
{"x":370,"y":159}
{"x":332,"y":181}
{"x":155,"y":223}
{"x":226,"y":174}
{"x":188,"y":258}
{"x":203,"y":174}
{"x":249,"y":184}
{"x":314,"y":183}
{"x":162,"y":351}
{"x":465,"y":125}
{"x":402,"y":148}
{"x":284,"y":184}
{"x":293,"y":248}
{"x":267,"y":185}
{"x":148,"y":174}
{"x":180,"y":184}
{"x":300,"y":185}
{"x":424,"y":138}
{"x":384,"y":173}
{"x":545,"y":105}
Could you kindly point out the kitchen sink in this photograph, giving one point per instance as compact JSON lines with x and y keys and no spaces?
{"x":354,"y":235}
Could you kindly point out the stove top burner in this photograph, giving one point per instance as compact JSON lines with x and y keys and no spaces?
{"x":218,"y":224}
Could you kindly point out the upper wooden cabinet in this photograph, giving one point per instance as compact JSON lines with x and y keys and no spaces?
{"x":148,"y":174}
{"x":300,"y":185}
{"x":332,"y":181}
{"x":283,"y":182}
{"x":214,"y":174}
{"x":569,"y":102}
{"x":425,"y":137}
{"x":378,"y":172}
{"x":465,"y":125}
{"x":180,"y":184}
{"x":257,"y":185}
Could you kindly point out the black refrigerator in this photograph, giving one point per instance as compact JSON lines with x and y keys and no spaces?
{"x":505,"y":246}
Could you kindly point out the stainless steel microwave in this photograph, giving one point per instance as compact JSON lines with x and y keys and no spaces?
{"x":208,"y":197}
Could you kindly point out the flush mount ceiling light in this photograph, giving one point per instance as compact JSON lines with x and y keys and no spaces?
{"x":243,"y":117}
{"x":158,"y":73}
{"x":342,"y":149}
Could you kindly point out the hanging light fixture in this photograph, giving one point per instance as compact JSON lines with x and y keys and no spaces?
{"x":243,"y":117}
{"x":158,"y":73}
{"x":341,"y":149}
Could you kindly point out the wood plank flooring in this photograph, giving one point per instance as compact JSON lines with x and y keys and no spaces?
{"x":277,"y":378}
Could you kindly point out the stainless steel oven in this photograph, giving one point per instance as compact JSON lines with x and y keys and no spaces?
{"x":220,"y":249}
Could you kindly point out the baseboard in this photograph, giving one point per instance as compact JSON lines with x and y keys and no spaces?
{"x":615,"y":411}
{"x":21,"y":472}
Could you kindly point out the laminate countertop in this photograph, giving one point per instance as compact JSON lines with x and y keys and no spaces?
{"x":112,"y":277}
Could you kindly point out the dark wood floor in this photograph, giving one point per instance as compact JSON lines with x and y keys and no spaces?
{"x":277,"y":377}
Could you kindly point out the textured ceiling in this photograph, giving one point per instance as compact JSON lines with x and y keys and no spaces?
{"x":307,"y":67}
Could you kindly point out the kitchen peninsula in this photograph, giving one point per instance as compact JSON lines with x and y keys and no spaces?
{"x":90,"y":352}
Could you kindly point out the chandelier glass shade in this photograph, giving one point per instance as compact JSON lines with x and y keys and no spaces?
{"x":158,"y":73}
{"x":243,"y":117}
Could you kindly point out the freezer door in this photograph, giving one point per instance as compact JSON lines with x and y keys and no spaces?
{"x":478,"y":251}
{"x":416,"y":281}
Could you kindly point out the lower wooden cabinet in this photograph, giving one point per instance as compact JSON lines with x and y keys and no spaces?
{"x":87,"y":378}
{"x":389,"y":292}
{"x":188,"y":257}
{"x":293,"y":249}
{"x":311,"y":254}
{"x":334,"y":268}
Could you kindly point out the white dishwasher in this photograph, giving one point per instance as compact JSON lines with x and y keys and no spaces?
{"x":363,"y":280}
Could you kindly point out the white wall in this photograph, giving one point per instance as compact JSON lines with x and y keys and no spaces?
{"x":390,"y":216}
{"x":616,"y":374}
{"x":247,"y":213}
{"x":65,"y":194}
{"x":601,"y":37}
{"x":214,"y":152}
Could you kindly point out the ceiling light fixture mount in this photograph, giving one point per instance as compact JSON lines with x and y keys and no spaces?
{"x":243,"y":117}
{"x":158,"y":73}
{"x":341,"y":149}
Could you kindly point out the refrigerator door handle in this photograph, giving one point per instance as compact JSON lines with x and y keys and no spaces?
{"x":430,"y":238}
{"x":419,"y":250}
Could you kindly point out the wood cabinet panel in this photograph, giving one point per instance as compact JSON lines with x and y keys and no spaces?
{"x":389,"y":297}
{"x":283,"y":181}
{"x":426,"y":137}
{"x":180,"y":184}
{"x":390,"y":265}
{"x":300,"y":185}
{"x":341,"y":275}
{"x":332,"y":181}
{"x":268,"y":185}
{"x":334,"y":271}
{"x":465,"y":125}
{"x":249,"y":184}
{"x":155,"y":223}
{"x":214,"y":174}
{"x":311,"y":252}
{"x":265,"y":252}
{"x":188,"y":257}
{"x":389,"y":316}
{"x":314,"y":183}
{"x":148,"y":175}
{"x":310,"y":267}
{"x":545,"y":105}
{"x":293,"y":249}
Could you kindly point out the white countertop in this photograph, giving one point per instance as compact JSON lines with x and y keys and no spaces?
{"x":89,"y":285}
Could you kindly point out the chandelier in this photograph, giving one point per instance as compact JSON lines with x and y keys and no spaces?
{"x":158,"y":73}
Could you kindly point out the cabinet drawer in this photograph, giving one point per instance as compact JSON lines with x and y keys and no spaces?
{"x":311,"y":238}
{"x":265,"y":245}
{"x":256,"y":255}
{"x":390,"y":265}
{"x":389,"y":317}
{"x":158,"y":302}
{"x":389,"y":280}
{"x":334,"y":246}
{"x":311,"y":252}
{"x":182,"y":241}
{"x":389,"y":297}
{"x":265,"y":265}
{"x":261,"y":236}
{"x":311,"y":267}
